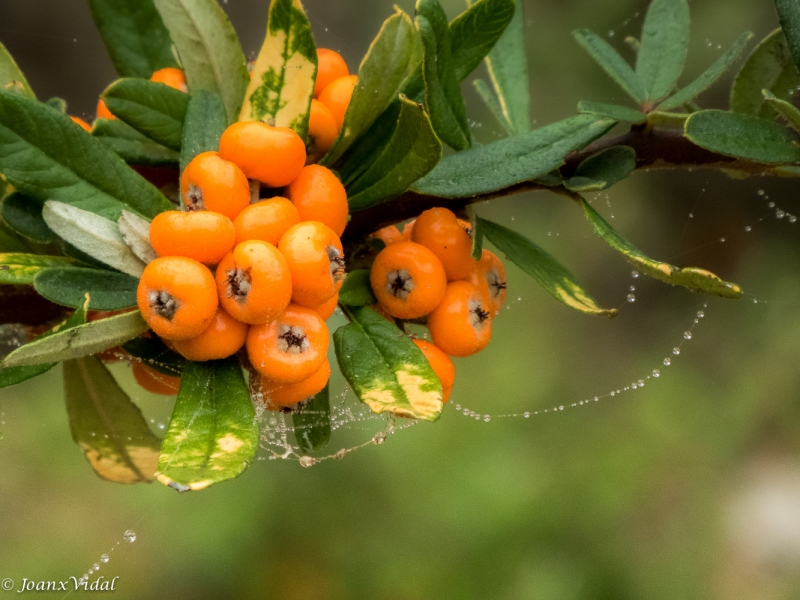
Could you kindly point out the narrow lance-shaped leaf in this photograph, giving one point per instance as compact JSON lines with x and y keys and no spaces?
{"x":212,"y":435}
{"x":24,"y":215}
{"x":205,"y":122}
{"x":789,"y":17}
{"x":69,"y":285}
{"x":603,"y":170}
{"x":664,"y":46}
{"x":788,"y":111}
{"x":282,"y":82}
{"x":109,"y":428}
{"x":131,"y":146}
{"x":697,"y":280}
{"x":612,"y":63}
{"x":613,"y":111}
{"x":20,"y":269}
{"x":356,"y":289}
{"x":544,"y":269}
{"x":476,"y":233}
{"x":10,"y":72}
{"x":490,"y":99}
{"x":385,"y":369}
{"x":312,"y":422}
{"x":136,"y":232}
{"x":135,"y":36}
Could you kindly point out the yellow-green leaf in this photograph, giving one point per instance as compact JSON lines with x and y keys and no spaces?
{"x":20,"y":269}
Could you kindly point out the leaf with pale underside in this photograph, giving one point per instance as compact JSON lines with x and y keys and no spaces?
{"x":136,"y":232}
{"x":20,"y":269}
{"x":312,"y":422}
{"x":612,"y":63}
{"x":613,"y":111}
{"x":663,"y":47}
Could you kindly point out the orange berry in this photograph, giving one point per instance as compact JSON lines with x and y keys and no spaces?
{"x":320,"y":196}
{"x":326,"y":309}
{"x":81,"y":122}
{"x":408,"y":280}
{"x":266,"y":221}
{"x":177,"y":297}
{"x":322,"y":132}
{"x":330,"y":67}
{"x":204,"y":236}
{"x":462,"y":323}
{"x":103,"y":112}
{"x":441,"y":364}
{"x":153,"y":381}
{"x":211,"y":183}
{"x":489,"y":274}
{"x":316,"y":260}
{"x":273,"y":155}
{"x":389,"y":235}
{"x":279,"y":395}
{"x":337,"y":97}
{"x":172,"y":77}
{"x":438,"y":230}
{"x":254,"y":282}
{"x":290,"y":348}
{"x":223,"y":338}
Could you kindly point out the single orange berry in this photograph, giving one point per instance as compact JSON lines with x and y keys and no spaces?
{"x":441,"y":364}
{"x":320,"y":196}
{"x":280,"y":395}
{"x":290,"y":348}
{"x":438,"y":230}
{"x":177,"y":297}
{"x":103,"y":112}
{"x":266,"y":221}
{"x":272,"y":155}
{"x":389,"y":235}
{"x":316,"y":259}
{"x":408,"y":280}
{"x":174,"y":78}
{"x":462,"y":323}
{"x":330,"y":67}
{"x":81,"y":122}
{"x":223,"y":338}
{"x":204,"y":236}
{"x":211,"y":183}
{"x":322,"y":132}
{"x":254,"y":282}
{"x":489,"y":274}
{"x":337,"y":97}
{"x":326,"y":309}
{"x":153,"y":381}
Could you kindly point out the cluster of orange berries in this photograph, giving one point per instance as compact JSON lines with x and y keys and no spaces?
{"x":428,"y":271}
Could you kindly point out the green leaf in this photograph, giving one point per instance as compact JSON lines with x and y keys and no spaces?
{"x":385,"y":369}
{"x":9,"y":73}
{"x":367,"y":148}
{"x":45,"y":155}
{"x":697,"y":280}
{"x":205,"y":122}
{"x":613,"y":111}
{"x":58,"y":103}
{"x":282,"y":83}
{"x":510,"y":161}
{"x":769,"y":67}
{"x":663,"y":49}
{"x":413,"y":151}
{"x":20,"y":269}
{"x":131,"y":146}
{"x":213,"y":434}
{"x":109,"y":428}
{"x":135,"y":36}
{"x":154,"y":109}
{"x":11,"y":241}
{"x":356,"y":289}
{"x":312,"y":422}
{"x":789,"y":18}
{"x":476,"y":233}
{"x":612,"y":63}
{"x":603,"y":170}
{"x":83,"y":340}
{"x":709,"y":76}
{"x":24,"y":215}
{"x":380,"y":78}
{"x":92,"y":234}
{"x":136,"y":232}
{"x":154,"y":353}
{"x":69,"y":285}
{"x":783,"y":108}
{"x":476,"y":31}
{"x":742,"y":136}
{"x":442,"y":90}
{"x":547,"y":272}
{"x":490,"y":99}
{"x":209,"y":49}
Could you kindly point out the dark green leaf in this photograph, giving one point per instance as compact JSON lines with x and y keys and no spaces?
{"x":490,"y":99}
{"x":9,"y":73}
{"x":135,"y":36}
{"x":58,"y":103}
{"x":663,"y":49}
{"x":411,"y":154}
{"x":785,"y":109}
{"x":312,"y":422}
{"x":547,"y":272}
{"x":789,"y":17}
{"x":475,"y":32}
{"x":213,"y":434}
{"x":367,"y":148}
{"x":476,"y":233}
{"x":153,"y":352}
{"x":612,"y":63}
{"x":510,"y":161}
{"x":20,"y":269}
{"x":356,"y":289}
{"x":709,"y":76}
{"x":742,"y":136}
{"x":154,"y":109}
{"x":45,"y":155}
{"x":613,"y":111}
{"x":603,"y":170}
{"x":385,"y":369}
{"x":24,"y":215}
{"x":131,"y":146}
{"x":204,"y":125}
{"x":209,"y":49}
{"x":11,"y":241}
{"x":69,"y":285}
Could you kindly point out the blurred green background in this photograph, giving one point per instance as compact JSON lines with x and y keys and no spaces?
{"x":687,"y":488}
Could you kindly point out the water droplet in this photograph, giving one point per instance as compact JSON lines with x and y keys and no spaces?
{"x":104,"y":558}
{"x":527,"y":415}
{"x":560,"y":408}
{"x":613,"y":394}
{"x":635,"y":274}
{"x":656,"y":373}
{"x":760,"y":192}
{"x":687,"y":335}
{"x":130,"y":536}
{"x":634,"y":386}
{"x":632,"y":288}
{"x":700,"y":314}
{"x":611,"y":33}
{"x":676,"y":351}
{"x":379,"y":438}
{"x":96,"y":567}
{"x":307,"y":461}
{"x":691,"y":215}
{"x":487,"y":418}
{"x":722,"y":240}
{"x":748,"y":229}
{"x":466,"y":412}
{"x":792,"y":219}
{"x":631,"y":298}
{"x":596,"y":398}
{"x":161,"y":426}
{"x":771,"y":205}
{"x":779,"y":214}
{"x":667,"y":362}
{"x":641,"y":383}
{"x":458,"y":407}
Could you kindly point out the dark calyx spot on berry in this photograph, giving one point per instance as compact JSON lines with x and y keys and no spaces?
{"x":478,"y":315}
{"x":238,"y":283}
{"x":496,"y":285}
{"x":292,"y":340}
{"x":337,"y":263}
{"x":194,"y":198}
{"x":400,"y":284}
{"x":311,"y":146}
{"x":164,"y":304}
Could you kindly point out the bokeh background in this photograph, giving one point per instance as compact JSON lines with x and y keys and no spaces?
{"x":686,"y":488}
